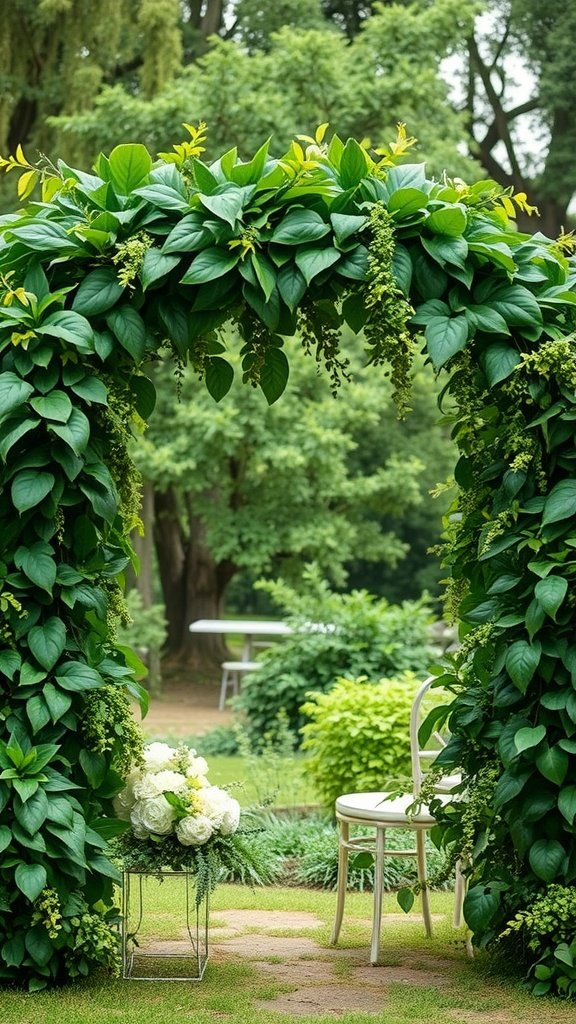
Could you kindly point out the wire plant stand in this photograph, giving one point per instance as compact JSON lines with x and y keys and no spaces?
{"x":148,"y":955}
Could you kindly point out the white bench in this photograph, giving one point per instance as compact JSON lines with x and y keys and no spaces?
{"x":232,"y":672}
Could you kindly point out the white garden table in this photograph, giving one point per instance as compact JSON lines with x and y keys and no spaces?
{"x":246,"y":627}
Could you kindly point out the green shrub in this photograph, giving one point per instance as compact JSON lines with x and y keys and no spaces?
{"x":368,"y":637}
{"x":358,"y":735}
{"x":543,"y":934}
{"x":304,"y":850}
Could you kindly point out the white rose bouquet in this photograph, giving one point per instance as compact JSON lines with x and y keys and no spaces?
{"x":176,"y":819}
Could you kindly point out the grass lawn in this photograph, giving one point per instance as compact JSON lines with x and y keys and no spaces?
{"x":282,"y":780}
{"x":242,"y":988}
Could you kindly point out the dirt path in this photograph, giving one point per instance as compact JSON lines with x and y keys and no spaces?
{"x":184,"y":709}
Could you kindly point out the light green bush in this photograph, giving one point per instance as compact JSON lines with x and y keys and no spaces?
{"x":358,"y":735}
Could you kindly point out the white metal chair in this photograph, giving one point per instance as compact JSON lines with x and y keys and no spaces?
{"x":381,"y":812}
{"x":232,"y":672}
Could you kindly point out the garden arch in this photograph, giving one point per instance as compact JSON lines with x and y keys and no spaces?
{"x":95,"y":277}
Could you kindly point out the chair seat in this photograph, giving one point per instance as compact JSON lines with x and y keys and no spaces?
{"x":378,"y":807}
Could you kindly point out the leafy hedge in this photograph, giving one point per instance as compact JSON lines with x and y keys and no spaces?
{"x":95,"y":277}
{"x":365,"y":637}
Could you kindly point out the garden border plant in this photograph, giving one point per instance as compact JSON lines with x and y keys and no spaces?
{"x":109,"y":267}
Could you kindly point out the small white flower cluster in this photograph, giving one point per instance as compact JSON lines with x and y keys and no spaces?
{"x":200,"y":811}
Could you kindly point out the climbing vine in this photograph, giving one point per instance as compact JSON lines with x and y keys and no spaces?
{"x":103,"y":271}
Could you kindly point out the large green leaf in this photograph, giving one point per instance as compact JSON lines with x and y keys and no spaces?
{"x":13,"y":429}
{"x":164,"y":197}
{"x":70,"y":326}
{"x":13,"y":392}
{"x":39,"y":944}
{"x":525,"y":739}
{"x":499,"y":361}
{"x":249,"y":173}
{"x":313,"y":261}
{"x":98,"y":292}
{"x":480,"y":906}
{"x":76,"y":432}
{"x":54,"y":406}
{"x":209,"y":265}
{"x":446,"y":250}
{"x":560,"y":503}
{"x":353,"y":164}
{"x":354,"y":264}
{"x":47,"y":642}
{"x":265,"y":273}
{"x":546,"y":858}
{"x":445,"y":336}
{"x":77,"y":676}
{"x":567,"y":803}
{"x":33,"y":813}
{"x":29,"y":488}
{"x":94,"y":767}
{"x":38,"y":712}
{"x":550,"y":593}
{"x":516,"y":304}
{"x":30,"y":879}
{"x":10,"y":662}
{"x":227,"y":205}
{"x":129,"y":167}
{"x":274,"y":374}
{"x":219,"y":377}
{"x":188,"y":235}
{"x":5,"y":837}
{"x":291,"y":285}
{"x":156,"y":265}
{"x":451,"y":220}
{"x":58,"y":703}
{"x":128,"y":326}
{"x":91,"y":389}
{"x":345,"y":225}
{"x":300,"y":225}
{"x":522,"y":660}
{"x":406,"y":201}
{"x":553,"y":764}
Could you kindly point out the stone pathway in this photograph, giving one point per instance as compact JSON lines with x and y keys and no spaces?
{"x":313,"y":971}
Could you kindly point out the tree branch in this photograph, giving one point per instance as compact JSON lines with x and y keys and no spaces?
{"x":500,"y":118}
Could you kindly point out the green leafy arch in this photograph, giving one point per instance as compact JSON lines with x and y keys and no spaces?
{"x":106,"y":268}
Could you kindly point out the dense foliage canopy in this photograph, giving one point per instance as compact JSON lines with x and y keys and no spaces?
{"x":96,"y":277}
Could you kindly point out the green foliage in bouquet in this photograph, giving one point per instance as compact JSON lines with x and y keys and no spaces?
{"x":175,"y":819}
{"x":104,"y":270}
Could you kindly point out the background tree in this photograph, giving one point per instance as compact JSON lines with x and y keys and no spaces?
{"x":242,"y":487}
{"x":520,"y":97}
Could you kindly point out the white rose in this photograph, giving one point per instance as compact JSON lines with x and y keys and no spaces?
{"x":197,"y":766}
{"x":193,"y":831}
{"x":158,"y":756}
{"x":231,"y":818}
{"x":147,"y":788}
{"x":137,"y":827}
{"x":156,"y":815}
{"x":213,"y":803}
{"x":171,"y":782}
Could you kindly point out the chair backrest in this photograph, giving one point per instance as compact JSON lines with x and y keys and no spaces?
{"x":417,"y":754}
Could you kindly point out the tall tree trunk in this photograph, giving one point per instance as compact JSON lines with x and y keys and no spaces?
{"x":193,"y":583}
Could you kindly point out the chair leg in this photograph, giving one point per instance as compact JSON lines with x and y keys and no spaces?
{"x":378,"y":889}
{"x":342,"y":881}
{"x":421,"y":855}
{"x":341,"y":885}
